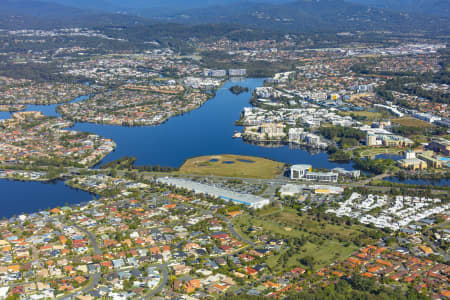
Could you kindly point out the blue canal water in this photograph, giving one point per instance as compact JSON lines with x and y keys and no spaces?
{"x":19,"y":197}
{"x":441,"y":182}
{"x":48,"y":110}
{"x":204,"y":131}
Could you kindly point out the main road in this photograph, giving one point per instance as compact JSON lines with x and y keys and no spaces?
{"x":274,"y":181}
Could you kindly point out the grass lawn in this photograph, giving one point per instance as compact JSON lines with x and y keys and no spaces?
{"x":371,"y":152}
{"x":229,"y":165}
{"x":329,"y":251}
{"x":288,"y":223}
{"x":411,"y":122}
{"x":269,"y":210}
{"x":272,"y":227}
{"x":241,"y":221}
{"x":323,"y":238}
{"x":419,"y":138}
{"x":371,"y":116}
{"x":325,"y":254}
{"x":289,"y":218}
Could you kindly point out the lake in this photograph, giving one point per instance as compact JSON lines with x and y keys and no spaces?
{"x":48,"y":110}
{"x":204,"y":131}
{"x":441,"y":182}
{"x":19,"y":197}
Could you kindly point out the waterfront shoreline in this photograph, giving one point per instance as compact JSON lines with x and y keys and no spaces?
{"x":219,"y":112}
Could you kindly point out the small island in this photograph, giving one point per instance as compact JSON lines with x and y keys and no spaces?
{"x":237,"y":89}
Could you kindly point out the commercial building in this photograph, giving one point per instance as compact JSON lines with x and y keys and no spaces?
{"x":412,"y":162}
{"x":334,"y":97}
{"x":392,"y":109}
{"x":227,"y":195}
{"x":265,"y":132}
{"x":296,"y":134}
{"x":319,"y":176}
{"x":371,"y":140}
{"x":443,"y":122}
{"x":304,"y":172}
{"x":427,"y":117}
{"x":215,"y":73}
{"x":440,"y":145}
{"x":388,"y":140}
{"x":327,"y":189}
{"x":237,"y":72}
{"x":355,"y":174}
{"x":299,"y":136}
{"x":294,"y":189}
{"x":291,"y":189}
{"x":430,"y":160}
{"x":299,"y":171}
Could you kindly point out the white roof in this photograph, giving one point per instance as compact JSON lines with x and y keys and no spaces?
{"x":4,"y":292}
{"x":301,"y":167}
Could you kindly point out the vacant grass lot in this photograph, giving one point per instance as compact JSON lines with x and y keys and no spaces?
{"x":371,"y":116}
{"x":325,"y":254}
{"x":326,"y":242}
{"x":411,"y":122}
{"x":229,"y":165}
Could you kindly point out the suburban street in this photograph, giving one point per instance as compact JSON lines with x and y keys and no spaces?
{"x":163,"y":282}
{"x":94,"y":278}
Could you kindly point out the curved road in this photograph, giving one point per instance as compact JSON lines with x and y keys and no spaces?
{"x":164,"y":280}
{"x":92,"y":240}
{"x":223,"y":218}
{"x":95,"y":278}
{"x":234,"y":232}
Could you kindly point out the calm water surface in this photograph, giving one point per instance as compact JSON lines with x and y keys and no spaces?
{"x":441,"y":182}
{"x":204,"y":131}
{"x":19,"y":197}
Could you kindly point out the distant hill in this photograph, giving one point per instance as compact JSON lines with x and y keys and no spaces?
{"x":18,"y":14}
{"x":151,"y":7}
{"x":426,"y":7}
{"x":275,"y":15}
{"x":313,"y":15}
{"x":37,"y":9}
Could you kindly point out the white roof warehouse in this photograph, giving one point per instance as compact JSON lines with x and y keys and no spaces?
{"x":227,"y":195}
